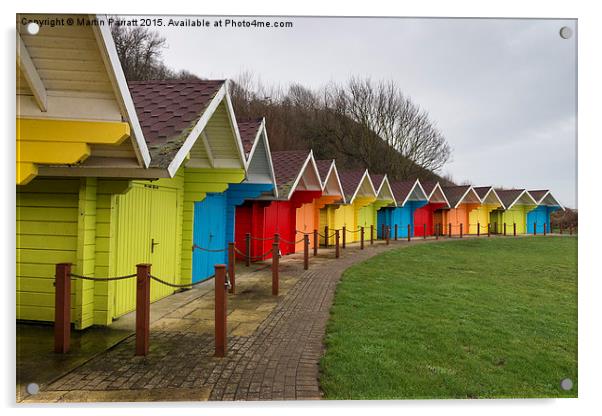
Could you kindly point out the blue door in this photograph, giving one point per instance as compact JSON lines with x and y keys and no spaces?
{"x":538,"y":216}
{"x":209,"y":233}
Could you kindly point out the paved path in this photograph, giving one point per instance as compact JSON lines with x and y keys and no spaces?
{"x":278,"y":360}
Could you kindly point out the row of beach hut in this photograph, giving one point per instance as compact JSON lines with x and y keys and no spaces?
{"x":111,"y":174}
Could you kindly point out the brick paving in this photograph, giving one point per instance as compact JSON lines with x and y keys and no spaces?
{"x":279,"y":360}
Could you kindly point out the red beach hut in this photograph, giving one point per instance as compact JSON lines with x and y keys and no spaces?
{"x":430,"y":214}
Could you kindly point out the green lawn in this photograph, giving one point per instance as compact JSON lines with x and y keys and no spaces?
{"x":477,"y":318}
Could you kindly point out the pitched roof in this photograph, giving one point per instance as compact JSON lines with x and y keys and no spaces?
{"x":454,"y":194}
{"x":377,"y":180}
{"x":323,"y":168}
{"x":248,"y":129}
{"x":538,"y":194}
{"x":482,"y":191}
{"x":350,"y":181}
{"x":428,"y":186}
{"x":402,"y":189}
{"x":508,"y":196}
{"x":287,"y":167}
{"x":168,"y":110}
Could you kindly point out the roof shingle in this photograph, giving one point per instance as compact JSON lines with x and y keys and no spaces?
{"x":350,"y":181}
{"x":323,"y":168}
{"x":401,"y":190}
{"x":538,"y":194}
{"x":248,"y":129}
{"x":287,"y":166}
{"x":454,"y":193}
{"x":508,"y":196}
{"x":167,"y":110}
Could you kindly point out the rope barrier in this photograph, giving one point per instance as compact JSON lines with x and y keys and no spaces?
{"x":330,"y":236}
{"x":261,"y":239}
{"x":353,"y":231}
{"x":303,"y":232}
{"x":102,"y":279}
{"x":282,"y":240}
{"x":209,"y":250}
{"x":259,"y":257}
{"x":187,"y":285}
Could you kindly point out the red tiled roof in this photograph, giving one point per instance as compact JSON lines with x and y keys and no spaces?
{"x":508,"y":196}
{"x":248,"y":129}
{"x":401,"y":190}
{"x":323,"y":167}
{"x":167,"y":110}
{"x":454,"y":193}
{"x":538,"y":194}
{"x":287,"y":166}
{"x":350,"y":180}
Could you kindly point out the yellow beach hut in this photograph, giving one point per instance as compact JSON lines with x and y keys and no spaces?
{"x":478,"y":218}
{"x":516,"y":204}
{"x":179,"y":141}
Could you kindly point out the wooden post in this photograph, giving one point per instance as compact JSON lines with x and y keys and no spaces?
{"x":544,"y":228}
{"x":142,"y":308}
{"x":437,"y":231}
{"x":344,"y":235}
{"x":326,"y":236}
{"x":424,"y":231}
{"x":388,"y":234}
{"x":371,"y":234}
{"x":221,"y":310}
{"x":488,"y":229}
{"x":449,"y":230}
{"x":62,"y":308}
{"x":337,"y":236}
{"x":570,"y":230}
{"x":361,"y":238}
{"x":305,"y":252}
{"x":514,"y":229}
{"x":395,"y":236}
{"x":504,"y":229}
{"x":409,"y":232}
{"x":232,"y":267}
{"x":478,"y":229}
{"x":275,"y":263}
{"x":248,"y":249}
{"x":382,"y":232}
{"x":560,"y":225}
{"x":534,"y":228}
{"x":316,"y":242}
{"x":461,"y":225}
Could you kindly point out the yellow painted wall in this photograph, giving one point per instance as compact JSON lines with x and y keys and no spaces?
{"x":480,"y":215}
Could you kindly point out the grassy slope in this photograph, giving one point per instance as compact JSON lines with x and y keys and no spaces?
{"x":474,"y":318}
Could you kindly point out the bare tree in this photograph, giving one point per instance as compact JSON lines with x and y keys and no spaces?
{"x":140,"y":53}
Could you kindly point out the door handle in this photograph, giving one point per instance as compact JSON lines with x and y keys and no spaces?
{"x":153,"y":244}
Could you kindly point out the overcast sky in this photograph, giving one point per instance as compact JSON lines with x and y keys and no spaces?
{"x":503,"y":91}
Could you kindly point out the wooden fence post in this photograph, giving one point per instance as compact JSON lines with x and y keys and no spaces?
{"x":461,"y":226}
{"x":449,"y":230}
{"x":344,"y":235}
{"x":424,"y":231}
{"x":395,"y":236}
{"x":534,"y":228}
{"x":142,"y":308}
{"x":275,"y":263}
{"x":382,"y":232}
{"x":514,"y":229}
{"x":544,"y":228}
{"x":305,"y":252}
{"x":326,"y":236}
{"x":504,"y":229}
{"x":560,"y":225}
{"x":248,"y":249}
{"x":221,"y":310}
{"x":388,"y":234}
{"x":371,"y":234}
{"x":361,"y":238}
{"x":437,"y":231}
{"x":488,"y":229}
{"x":478,"y":229}
{"x":570,"y":230}
{"x":232,"y":267}
{"x":337,"y":236}
{"x":409,"y":232}
{"x":316,"y":242}
{"x":62,"y":308}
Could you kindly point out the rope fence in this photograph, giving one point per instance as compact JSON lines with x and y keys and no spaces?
{"x":208,"y":250}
